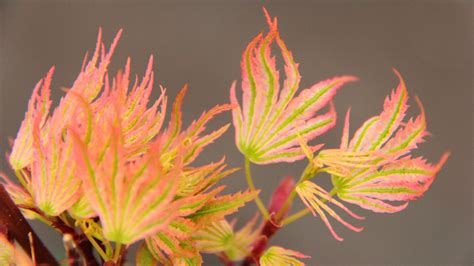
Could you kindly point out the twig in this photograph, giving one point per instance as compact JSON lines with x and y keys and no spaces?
{"x":269,"y":228}
{"x":73,"y":256}
{"x":82,"y":244}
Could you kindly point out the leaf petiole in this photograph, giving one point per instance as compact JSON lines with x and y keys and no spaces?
{"x":251,"y":185}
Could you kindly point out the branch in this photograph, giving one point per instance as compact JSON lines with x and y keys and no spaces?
{"x":270,"y":227}
{"x":12,"y":219}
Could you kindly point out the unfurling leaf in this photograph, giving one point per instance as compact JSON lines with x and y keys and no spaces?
{"x":315,"y":198}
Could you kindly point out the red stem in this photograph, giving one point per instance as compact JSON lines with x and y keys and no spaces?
{"x":269,"y":228}
{"x":279,"y":206}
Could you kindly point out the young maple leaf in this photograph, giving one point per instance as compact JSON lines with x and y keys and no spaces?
{"x":140,"y":123}
{"x":278,"y":256}
{"x":131,"y":176}
{"x":390,"y":174}
{"x":372,"y":168}
{"x":270,"y":120}
{"x":54,"y":182}
{"x":133,"y":198}
{"x":403,"y":180}
{"x":315,"y":198}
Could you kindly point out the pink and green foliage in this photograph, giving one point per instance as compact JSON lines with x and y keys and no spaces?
{"x":279,"y":256}
{"x":199,"y":201}
{"x":133,"y":198}
{"x":394,"y":175}
{"x":270,"y":120}
{"x":103,"y":170}
{"x":24,"y":148}
{"x":102,"y":153}
{"x":315,"y":198}
{"x":220,"y":237}
{"x":138,"y":122}
{"x":50,"y":176}
{"x":374,"y":166}
{"x":54,"y":182}
{"x":38,"y":109}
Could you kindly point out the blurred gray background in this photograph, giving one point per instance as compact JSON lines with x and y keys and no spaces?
{"x":200,"y":43}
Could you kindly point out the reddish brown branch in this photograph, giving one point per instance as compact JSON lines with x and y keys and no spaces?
{"x":12,"y":219}
{"x":81,"y":243}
